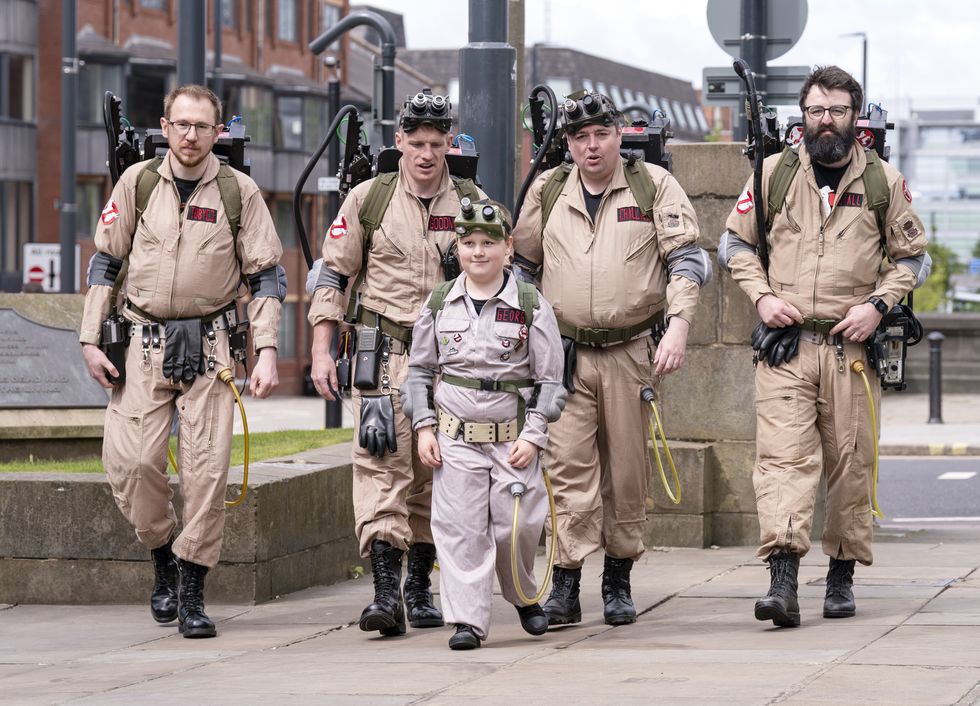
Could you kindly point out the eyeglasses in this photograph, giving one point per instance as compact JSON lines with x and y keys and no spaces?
{"x":183,"y":127}
{"x":836,"y":111}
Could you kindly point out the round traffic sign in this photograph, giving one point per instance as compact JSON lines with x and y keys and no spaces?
{"x":785,"y":21}
{"x":35,"y":274}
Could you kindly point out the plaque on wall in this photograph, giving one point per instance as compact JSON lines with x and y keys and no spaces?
{"x":42,"y":366}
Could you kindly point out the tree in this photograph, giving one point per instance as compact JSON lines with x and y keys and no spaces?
{"x":933,"y":295}
{"x":976,"y":248}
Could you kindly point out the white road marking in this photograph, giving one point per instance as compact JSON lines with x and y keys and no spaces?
{"x":936,"y":519}
{"x":956,"y":475}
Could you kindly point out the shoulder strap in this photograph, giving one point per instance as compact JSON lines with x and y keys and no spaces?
{"x":370,"y":215}
{"x":876,"y":190}
{"x":465,"y":188}
{"x":438,"y":297}
{"x":146,"y":182}
{"x":779,"y":182}
{"x":527,"y":295}
{"x":231,"y":199}
{"x":551,"y":189}
{"x":641,"y":184}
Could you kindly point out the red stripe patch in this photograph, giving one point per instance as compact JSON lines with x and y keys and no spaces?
{"x":205,"y":215}
{"x":442,"y":223}
{"x":631,"y":213}
{"x":850,"y":199}
{"x":510,"y":316}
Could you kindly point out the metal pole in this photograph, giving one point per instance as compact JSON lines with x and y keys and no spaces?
{"x":487,"y":90}
{"x":334,"y":410}
{"x":753,"y":50}
{"x":67,"y":206}
{"x":192,"y":25}
{"x":935,"y":377}
{"x":218,"y":84}
{"x":515,"y":36}
{"x":864,"y":66}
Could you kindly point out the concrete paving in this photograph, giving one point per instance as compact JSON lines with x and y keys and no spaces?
{"x":915,"y":640}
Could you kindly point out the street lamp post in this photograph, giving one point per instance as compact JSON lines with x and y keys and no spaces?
{"x":864,"y":60}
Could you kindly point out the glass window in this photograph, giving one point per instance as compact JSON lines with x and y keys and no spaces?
{"x":88,"y":197}
{"x":287,"y":331}
{"x":254,"y":104}
{"x":17,"y":84}
{"x":289,"y":122}
{"x":314,"y":122}
{"x":145,"y":92}
{"x":229,"y":13}
{"x":282,"y":214}
{"x":331,"y":16}
{"x":286,"y":20}
{"x":161,"y":5}
{"x":94,"y":80}
{"x":15,"y":223}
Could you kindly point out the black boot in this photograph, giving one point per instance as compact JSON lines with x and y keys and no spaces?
{"x":422,"y":613}
{"x":616,"y":598}
{"x":163,"y":600}
{"x":464,"y":639}
{"x":562,"y":606}
{"x":780,"y":605}
{"x":839,"y":599}
{"x":386,"y":614}
{"x":192,"y":620}
{"x":533,"y":619}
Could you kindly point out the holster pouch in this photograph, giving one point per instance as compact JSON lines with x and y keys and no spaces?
{"x":115,"y":340}
{"x":345,"y":350}
{"x":571,"y":359}
{"x":369,"y":344}
{"x":450,"y":261}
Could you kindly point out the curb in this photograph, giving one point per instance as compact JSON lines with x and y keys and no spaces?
{"x":957,"y":449}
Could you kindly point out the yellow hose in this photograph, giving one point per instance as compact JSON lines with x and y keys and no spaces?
{"x":656,"y":453}
{"x":858,"y":367}
{"x":551,"y":553}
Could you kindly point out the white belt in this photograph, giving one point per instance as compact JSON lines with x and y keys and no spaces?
{"x":475,"y":432}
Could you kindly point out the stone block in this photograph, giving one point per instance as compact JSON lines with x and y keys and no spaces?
{"x":670,"y":530}
{"x":731,"y":464}
{"x":711,"y":169}
{"x":712,"y":397}
{"x":734,"y":529}
{"x":712,"y":213}
{"x":691,"y":461}
{"x":59,"y":310}
{"x":705,"y":327}
{"x":738,"y":314}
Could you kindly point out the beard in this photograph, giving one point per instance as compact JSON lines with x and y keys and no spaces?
{"x":829,"y":147}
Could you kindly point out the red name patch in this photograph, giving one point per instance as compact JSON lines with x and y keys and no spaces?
{"x":197,"y":213}
{"x":850,"y":199}
{"x":442,"y":223}
{"x":631,"y":213}
{"x":510,"y":316}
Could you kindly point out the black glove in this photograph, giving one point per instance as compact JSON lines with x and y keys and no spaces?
{"x":568,"y":346}
{"x":183,"y":357}
{"x":377,"y":432}
{"x":775,"y":346}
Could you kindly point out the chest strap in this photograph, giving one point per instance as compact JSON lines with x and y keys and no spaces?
{"x":602,"y":337}
{"x":512,"y":386}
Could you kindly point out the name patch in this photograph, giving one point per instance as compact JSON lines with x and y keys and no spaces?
{"x":197,"y":213}
{"x":442,"y":223}
{"x":850,"y":199}
{"x":510,"y":316}
{"x":631,"y":213}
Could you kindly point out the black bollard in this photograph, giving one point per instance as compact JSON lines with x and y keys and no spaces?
{"x":936,"y":377}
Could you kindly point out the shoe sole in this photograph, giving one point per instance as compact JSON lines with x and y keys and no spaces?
{"x":427,"y":623}
{"x":464,"y":645}
{"x":620,"y":620}
{"x":778,"y":617}
{"x":381,"y":622}
{"x":194,"y":633}
{"x":838,"y":613}
{"x":570,"y":620}
{"x":164,"y":619}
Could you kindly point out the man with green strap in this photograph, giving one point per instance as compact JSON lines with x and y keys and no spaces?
{"x":381,"y":258}
{"x":188,"y":230}
{"x":844,"y":246}
{"x":616,"y":244}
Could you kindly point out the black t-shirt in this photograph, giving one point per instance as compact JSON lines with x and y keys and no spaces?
{"x":829,"y":176}
{"x":426,"y":201}
{"x":478,"y":304}
{"x":591,"y":201}
{"x":185,"y":187}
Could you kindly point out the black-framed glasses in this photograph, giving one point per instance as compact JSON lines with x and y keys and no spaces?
{"x":836,"y":111}
{"x":183,"y":127}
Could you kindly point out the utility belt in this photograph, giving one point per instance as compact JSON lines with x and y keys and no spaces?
{"x":401,"y":336}
{"x":477,"y":432}
{"x":377,"y":340}
{"x":514,"y":387}
{"x":606,"y":337}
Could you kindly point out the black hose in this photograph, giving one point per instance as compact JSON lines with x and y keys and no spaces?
{"x":298,"y":191}
{"x":745,"y":73}
{"x":542,"y":148}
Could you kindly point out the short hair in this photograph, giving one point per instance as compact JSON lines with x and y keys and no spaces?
{"x":197,"y":92}
{"x":832,"y":78}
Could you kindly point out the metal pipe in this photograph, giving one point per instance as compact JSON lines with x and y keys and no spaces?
{"x":753,"y":51}
{"x":69,"y":92}
{"x":192,"y":23}
{"x":334,"y":409}
{"x":936,"y":339}
{"x":218,"y":84}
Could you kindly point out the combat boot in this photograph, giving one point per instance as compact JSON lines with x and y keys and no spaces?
{"x":533,"y":619}
{"x":192,"y":620}
{"x":422,"y":612}
{"x":163,"y":599}
{"x":617,"y":600}
{"x":386,"y":614}
{"x":562,"y":606}
{"x":781,"y":605}
{"x":839,"y":599}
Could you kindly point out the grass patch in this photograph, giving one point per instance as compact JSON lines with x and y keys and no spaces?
{"x":262,"y":446}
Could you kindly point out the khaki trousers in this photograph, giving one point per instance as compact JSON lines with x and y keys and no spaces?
{"x":393,"y":494}
{"x":597,"y":454}
{"x":134,"y":453}
{"x":813,"y":420}
{"x":472,"y":518}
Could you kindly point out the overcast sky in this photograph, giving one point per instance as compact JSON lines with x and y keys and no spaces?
{"x":919,"y":53}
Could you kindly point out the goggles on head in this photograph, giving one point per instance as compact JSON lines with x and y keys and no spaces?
{"x":481,"y":216}
{"x":587,"y":108}
{"x":423,"y":108}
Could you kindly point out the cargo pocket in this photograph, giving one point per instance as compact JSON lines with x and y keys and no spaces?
{"x":777,"y":427}
{"x":451,"y":335}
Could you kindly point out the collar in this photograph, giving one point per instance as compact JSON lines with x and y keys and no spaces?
{"x":210,"y":171}
{"x":508,"y":296}
{"x":408,"y":184}
{"x":855,"y":168}
{"x":573,"y":185}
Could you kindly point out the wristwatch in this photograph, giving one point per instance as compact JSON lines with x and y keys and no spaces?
{"x":879,"y":304}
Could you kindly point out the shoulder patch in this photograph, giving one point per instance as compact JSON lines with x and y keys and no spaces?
{"x":110,"y":213}
{"x":909,"y":228}
{"x":745,"y":202}
{"x":338,"y":229}
{"x":906,"y":192}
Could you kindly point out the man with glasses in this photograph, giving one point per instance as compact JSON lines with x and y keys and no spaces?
{"x":191,"y":230}
{"x":845,"y":246}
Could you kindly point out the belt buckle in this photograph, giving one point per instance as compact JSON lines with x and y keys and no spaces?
{"x":486,"y":384}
